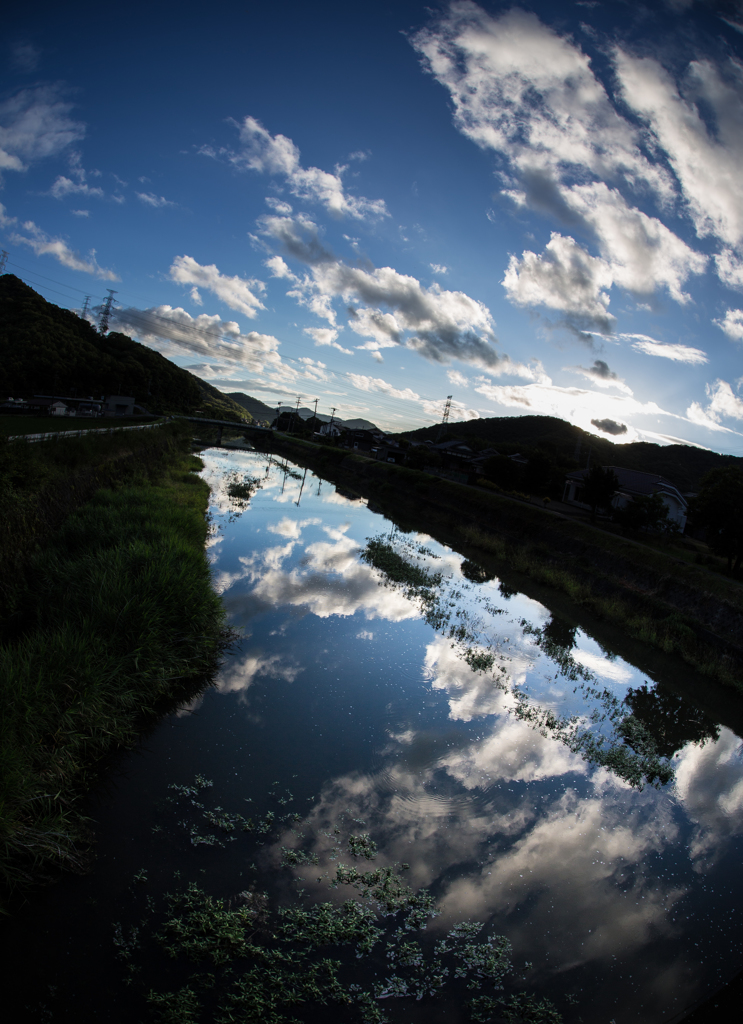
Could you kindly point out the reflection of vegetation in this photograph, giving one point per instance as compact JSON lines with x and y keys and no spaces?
{"x":246,"y":959}
{"x":240,"y":488}
{"x":476,"y":573}
{"x":628,"y":748}
{"x":671,"y":721}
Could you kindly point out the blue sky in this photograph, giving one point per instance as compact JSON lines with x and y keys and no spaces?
{"x":535,"y":208}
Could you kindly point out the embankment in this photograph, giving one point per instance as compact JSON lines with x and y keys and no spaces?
{"x":112,"y":618}
{"x":654,"y":597}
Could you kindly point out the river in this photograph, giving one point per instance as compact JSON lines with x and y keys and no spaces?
{"x":394,"y":705}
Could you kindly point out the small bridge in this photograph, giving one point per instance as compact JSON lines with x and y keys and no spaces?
{"x":221,"y":424}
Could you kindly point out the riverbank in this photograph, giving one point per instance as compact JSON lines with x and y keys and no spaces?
{"x":113,"y":618}
{"x":654,"y":597}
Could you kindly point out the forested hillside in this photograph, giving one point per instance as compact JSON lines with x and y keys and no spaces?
{"x":48,"y":350}
{"x":571,"y":447}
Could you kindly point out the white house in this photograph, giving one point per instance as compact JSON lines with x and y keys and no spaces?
{"x":632,"y":484}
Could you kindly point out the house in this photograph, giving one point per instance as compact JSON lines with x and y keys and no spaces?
{"x":330,"y":430}
{"x":60,"y":409}
{"x":362,"y":440}
{"x":632,"y":484}
{"x":118,"y":405}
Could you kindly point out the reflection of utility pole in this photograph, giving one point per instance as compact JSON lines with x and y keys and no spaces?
{"x":445,"y":418}
{"x":319,"y":486}
{"x":301,"y":488}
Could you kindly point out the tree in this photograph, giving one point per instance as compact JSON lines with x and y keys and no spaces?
{"x":719,"y":508}
{"x":503,"y":471}
{"x":599,"y":487}
{"x":646,"y":512}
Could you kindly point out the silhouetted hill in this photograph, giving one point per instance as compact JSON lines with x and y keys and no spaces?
{"x":682,"y":464}
{"x":48,"y":350}
{"x":260,"y":411}
{"x":257,"y":409}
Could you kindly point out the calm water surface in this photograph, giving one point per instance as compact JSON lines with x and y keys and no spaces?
{"x":532,"y":779}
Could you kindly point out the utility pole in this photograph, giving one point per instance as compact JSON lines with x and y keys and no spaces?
{"x":316,"y":401}
{"x":332,"y":417}
{"x":278,"y":414}
{"x":86,"y":306}
{"x":445,"y":419}
{"x":3,"y":260}
{"x":295,"y":417}
{"x":106,"y":312}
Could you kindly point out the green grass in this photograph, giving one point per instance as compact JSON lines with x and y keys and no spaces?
{"x":121,"y":617}
{"x":12,"y":425}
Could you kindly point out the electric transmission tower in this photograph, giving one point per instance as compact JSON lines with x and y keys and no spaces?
{"x":3,"y":260}
{"x":86,"y":307}
{"x":106,"y":309}
{"x":445,"y":417}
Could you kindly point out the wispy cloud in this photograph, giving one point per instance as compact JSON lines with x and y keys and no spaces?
{"x":46,"y":245}
{"x":278,"y":155}
{"x":36,"y":124}
{"x":150,"y":199}
{"x":667,"y":350}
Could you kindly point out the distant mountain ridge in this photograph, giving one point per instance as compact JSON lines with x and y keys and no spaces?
{"x":45,"y":349}
{"x":260,"y":411}
{"x":684,"y":465}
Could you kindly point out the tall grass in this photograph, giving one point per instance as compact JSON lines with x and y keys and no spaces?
{"x":119,"y":617}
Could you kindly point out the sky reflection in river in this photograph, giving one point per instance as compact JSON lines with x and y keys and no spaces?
{"x":619,"y":893}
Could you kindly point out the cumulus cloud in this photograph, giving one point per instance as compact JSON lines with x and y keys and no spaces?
{"x":203,"y":334}
{"x":364,"y":383}
{"x":150,"y":199}
{"x":439,"y":268}
{"x":35,"y":124}
{"x":678,"y":353}
{"x":729,"y":268}
{"x":706,"y":160}
{"x":566,"y":278}
{"x":64,"y":186}
{"x":235,"y":292}
{"x":276,"y":154}
{"x":455,"y":377}
{"x":607,"y":426}
{"x":600,"y":374}
{"x":326,"y":336}
{"x":732,"y":324}
{"x":45,"y":245}
{"x":524,"y":91}
{"x":388,"y":307}
{"x":723,"y":402}
{"x":5,"y":220}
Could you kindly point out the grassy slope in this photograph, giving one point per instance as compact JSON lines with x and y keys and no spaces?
{"x":48,"y":350}
{"x":121,"y":618}
{"x":682,"y":464}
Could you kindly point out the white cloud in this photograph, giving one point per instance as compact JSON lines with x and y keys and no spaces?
{"x":150,"y":199}
{"x":732,"y":324}
{"x":439,"y":268}
{"x":80,"y":213}
{"x":64,"y":186}
{"x":235,"y":292}
{"x":278,"y":206}
{"x":5,"y":220}
{"x":35,"y":124}
{"x":678,"y":353}
{"x":440,"y":325}
{"x":722,"y":402}
{"x":455,"y":377}
{"x":729,"y":268}
{"x":519,"y":88}
{"x":707,"y":165}
{"x":566,"y":278}
{"x":524,"y":91}
{"x":44,"y":245}
{"x":600,"y":374}
{"x":277,"y":154}
{"x":204,"y":334}
{"x":364,"y":383}
{"x":279,"y":268}
{"x":239,"y":673}
{"x":326,"y":336}
{"x":458,"y":411}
